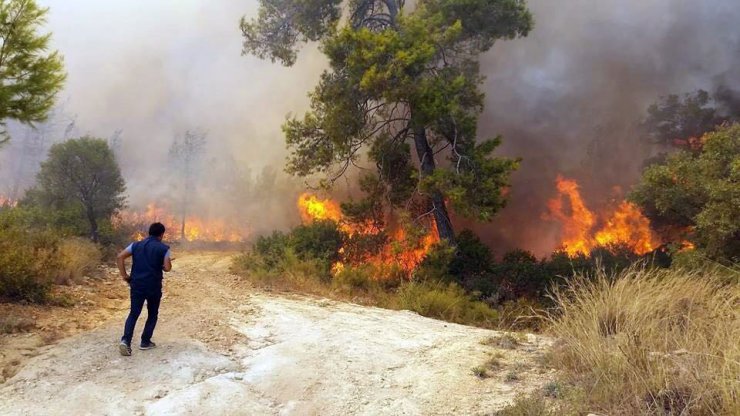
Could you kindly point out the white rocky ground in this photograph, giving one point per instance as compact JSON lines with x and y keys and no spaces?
{"x":227,"y":349}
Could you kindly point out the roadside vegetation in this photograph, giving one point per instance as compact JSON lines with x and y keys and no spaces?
{"x":56,"y":235}
{"x":463,"y":285}
{"x":644,"y":342}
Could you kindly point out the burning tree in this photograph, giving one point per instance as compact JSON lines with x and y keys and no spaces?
{"x":397,"y":79}
{"x":698,"y":193}
{"x":186,"y":154}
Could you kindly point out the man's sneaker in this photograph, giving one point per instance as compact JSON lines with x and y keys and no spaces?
{"x":124,"y":349}
{"x":147,"y":345}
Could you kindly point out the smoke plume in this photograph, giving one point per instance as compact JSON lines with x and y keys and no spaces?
{"x":567,"y":99}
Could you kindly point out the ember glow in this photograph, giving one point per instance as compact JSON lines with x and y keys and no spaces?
{"x":402,"y":249}
{"x":196,"y":228}
{"x":583,"y":230}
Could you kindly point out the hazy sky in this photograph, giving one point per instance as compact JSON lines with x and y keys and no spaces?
{"x":156,"y":68}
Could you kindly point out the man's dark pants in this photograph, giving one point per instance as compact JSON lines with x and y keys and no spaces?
{"x":152,"y":296}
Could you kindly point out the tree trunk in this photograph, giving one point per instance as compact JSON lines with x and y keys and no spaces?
{"x":182,"y":229}
{"x":426,"y":161}
{"x":93,"y":224}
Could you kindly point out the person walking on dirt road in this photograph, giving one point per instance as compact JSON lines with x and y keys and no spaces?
{"x":150,"y":258}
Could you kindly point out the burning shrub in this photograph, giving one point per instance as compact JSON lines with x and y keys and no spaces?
{"x":650,"y":341}
{"x":698,"y":193}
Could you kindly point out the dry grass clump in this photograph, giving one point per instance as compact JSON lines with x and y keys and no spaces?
{"x":78,"y":257}
{"x":662,"y":342}
{"x":14,"y":324}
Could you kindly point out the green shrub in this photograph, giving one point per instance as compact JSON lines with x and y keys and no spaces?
{"x":319,"y":240}
{"x":351,"y":279}
{"x":436,"y":265}
{"x":445,"y":301}
{"x":28,"y":263}
{"x":272,"y":249}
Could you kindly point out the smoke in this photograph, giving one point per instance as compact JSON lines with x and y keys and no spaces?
{"x":567,"y":99}
{"x":156,"y":69}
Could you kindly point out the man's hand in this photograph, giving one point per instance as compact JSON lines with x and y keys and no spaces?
{"x":122,"y":267}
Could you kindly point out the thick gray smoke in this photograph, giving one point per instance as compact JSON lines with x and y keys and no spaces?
{"x":152,"y":70}
{"x":567,"y":98}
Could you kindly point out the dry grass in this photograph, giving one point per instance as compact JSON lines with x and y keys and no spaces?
{"x":13,"y":324}
{"x":78,"y":258}
{"x":651,"y":342}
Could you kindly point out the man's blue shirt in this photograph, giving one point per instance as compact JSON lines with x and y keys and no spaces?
{"x":148,"y":259}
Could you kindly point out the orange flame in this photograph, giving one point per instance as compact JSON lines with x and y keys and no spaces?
{"x":314,"y":209}
{"x":623,"y":225}
{"x":196,"y":228}
{"x":403,"y":250}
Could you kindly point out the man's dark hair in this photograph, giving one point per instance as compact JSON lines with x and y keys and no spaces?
{"x":156,"y":229}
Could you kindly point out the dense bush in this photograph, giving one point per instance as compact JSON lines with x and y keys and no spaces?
{"x":34,"y":255}
{"x":28,"y":264}
{"x":698,"y":193}
{"x":319,"y":240}
{"x":449,"y":302}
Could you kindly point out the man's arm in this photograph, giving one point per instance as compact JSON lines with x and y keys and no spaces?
{"x":167,"y":266}
{"x":122,"y":256}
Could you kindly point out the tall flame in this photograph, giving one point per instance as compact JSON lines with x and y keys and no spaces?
{"x":624,"y":225}
{"x":314,"y":209}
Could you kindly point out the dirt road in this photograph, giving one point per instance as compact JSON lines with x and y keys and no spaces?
{"x":225,"y":348}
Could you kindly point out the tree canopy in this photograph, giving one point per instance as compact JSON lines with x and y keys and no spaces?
{"x":398,"y":77}
{"x":30,"y":75}
{"x":699,"y":193}
{"x":81,"y":176}
{"x":681,"y":120}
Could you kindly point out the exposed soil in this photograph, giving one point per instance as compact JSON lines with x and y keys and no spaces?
{"x":225,"y":348}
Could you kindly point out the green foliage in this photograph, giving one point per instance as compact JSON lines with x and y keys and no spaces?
{"x":315,"y":246}
{"x":397,"y":76}
{"x":30,"y":76}
{"x":28,"y":263}
{"x":82,"y":181}
{"x":674,"y":119}
{"x":271,"y":248}
{"x":699,"y":192}
{"x":283,"y":23}
{"x":445,"y":301}
{"x":319,"y":240}
{"x":436,"y":264}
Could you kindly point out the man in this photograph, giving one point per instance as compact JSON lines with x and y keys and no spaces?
{"x":150,"y":258}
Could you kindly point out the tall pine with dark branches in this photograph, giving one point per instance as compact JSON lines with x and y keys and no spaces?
{"x":402,"y":87}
